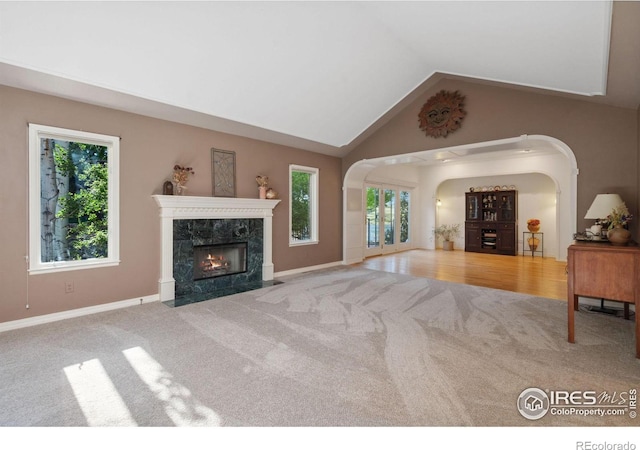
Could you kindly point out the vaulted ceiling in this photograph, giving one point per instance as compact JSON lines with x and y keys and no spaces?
{"x":314,"y":75}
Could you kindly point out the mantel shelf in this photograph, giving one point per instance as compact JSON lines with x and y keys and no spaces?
{"x":213,"y":207}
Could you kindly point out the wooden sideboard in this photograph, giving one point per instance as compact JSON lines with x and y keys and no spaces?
{"x":603,"y":271}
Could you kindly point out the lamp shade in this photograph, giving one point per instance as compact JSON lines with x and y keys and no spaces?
{"x":602,"y":206}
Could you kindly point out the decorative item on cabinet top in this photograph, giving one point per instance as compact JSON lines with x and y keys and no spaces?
{"x":610,"y":212}
{"x":618,"y":219}
{"x":492,"y":188}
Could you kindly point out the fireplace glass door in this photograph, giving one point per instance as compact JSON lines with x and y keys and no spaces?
{"x":220,"y":259}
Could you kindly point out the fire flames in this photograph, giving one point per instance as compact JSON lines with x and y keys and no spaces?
{"x":214,"y":263}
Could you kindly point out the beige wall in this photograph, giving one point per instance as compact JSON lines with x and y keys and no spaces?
{"x":149,"y":149}
{"x":604,"y":139}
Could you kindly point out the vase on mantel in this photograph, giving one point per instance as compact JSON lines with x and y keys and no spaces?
{"x":619,"y":235}
{"x":181,"y":189}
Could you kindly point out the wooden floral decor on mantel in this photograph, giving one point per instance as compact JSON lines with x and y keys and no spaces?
{"x":442,"y":114}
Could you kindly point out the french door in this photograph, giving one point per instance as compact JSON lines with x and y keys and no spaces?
{"x":387,"y":224}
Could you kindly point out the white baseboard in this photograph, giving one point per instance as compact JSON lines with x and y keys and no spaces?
{"x":54,"y":317}
{"x":307,"y":269}
{"x":48,"y":318}
{"x":353,"y":261}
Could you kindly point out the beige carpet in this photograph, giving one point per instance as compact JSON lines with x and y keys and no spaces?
{"x":341,"y":347}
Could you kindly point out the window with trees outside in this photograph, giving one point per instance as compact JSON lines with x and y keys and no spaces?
{"x":73,"y":199}
{"x":303,"y":205}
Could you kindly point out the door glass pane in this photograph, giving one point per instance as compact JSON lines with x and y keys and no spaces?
{"x":372,"y":223}
{"x":389,"y":216}
{"x":404,"y":216}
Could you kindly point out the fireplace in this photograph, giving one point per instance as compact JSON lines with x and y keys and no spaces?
{"x":213,"y":256}
{"x":217,"y":260}
{"x":189,"y":223}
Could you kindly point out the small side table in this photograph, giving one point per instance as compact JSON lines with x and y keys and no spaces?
{"x":606,"y":271}
{"x":535,"y":248}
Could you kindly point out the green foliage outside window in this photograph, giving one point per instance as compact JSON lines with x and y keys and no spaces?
{"x":82,"y":174}
{"x":300,"y":205}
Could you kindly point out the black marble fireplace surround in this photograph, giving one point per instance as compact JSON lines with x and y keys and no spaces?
{"x":189,"y":233}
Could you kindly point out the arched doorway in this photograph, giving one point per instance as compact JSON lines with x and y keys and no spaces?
{"x":543,"y":154}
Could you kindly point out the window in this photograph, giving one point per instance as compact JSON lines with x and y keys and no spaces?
{"x":303,"y":205}
{"x":73,"y":199}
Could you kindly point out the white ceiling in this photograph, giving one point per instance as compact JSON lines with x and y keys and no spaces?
{"x":316,"y":75}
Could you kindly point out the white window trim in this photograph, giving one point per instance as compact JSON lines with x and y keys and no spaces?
{"x":38,"y":132}
{"x":315,"y":200}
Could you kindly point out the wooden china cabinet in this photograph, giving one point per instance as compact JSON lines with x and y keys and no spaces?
{"x":491,"y":222}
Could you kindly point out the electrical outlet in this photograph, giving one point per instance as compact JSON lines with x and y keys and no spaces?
{"x":68,"y":287}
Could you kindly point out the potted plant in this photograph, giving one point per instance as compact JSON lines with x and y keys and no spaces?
{"x":618,"y":220}
{"x":447,"y":233}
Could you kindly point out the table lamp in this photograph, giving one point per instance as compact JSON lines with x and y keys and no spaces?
{"x":601,"y":207}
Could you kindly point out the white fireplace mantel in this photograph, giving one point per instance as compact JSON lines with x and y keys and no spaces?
{"x":175,"y":207}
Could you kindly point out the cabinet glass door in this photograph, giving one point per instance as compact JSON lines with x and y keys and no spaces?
{"x":473,"y":207}
{"x":506,"y":207}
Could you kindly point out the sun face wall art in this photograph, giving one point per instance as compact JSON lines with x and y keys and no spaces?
{"x":442,"y":114}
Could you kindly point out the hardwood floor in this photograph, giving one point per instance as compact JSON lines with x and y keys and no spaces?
{"x":543,"y":277}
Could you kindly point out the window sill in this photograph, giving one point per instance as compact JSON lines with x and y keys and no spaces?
{"x":72,"y":265}
{"x":302,"y":243}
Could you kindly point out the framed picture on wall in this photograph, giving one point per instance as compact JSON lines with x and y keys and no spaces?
{"x":223,"y":170}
